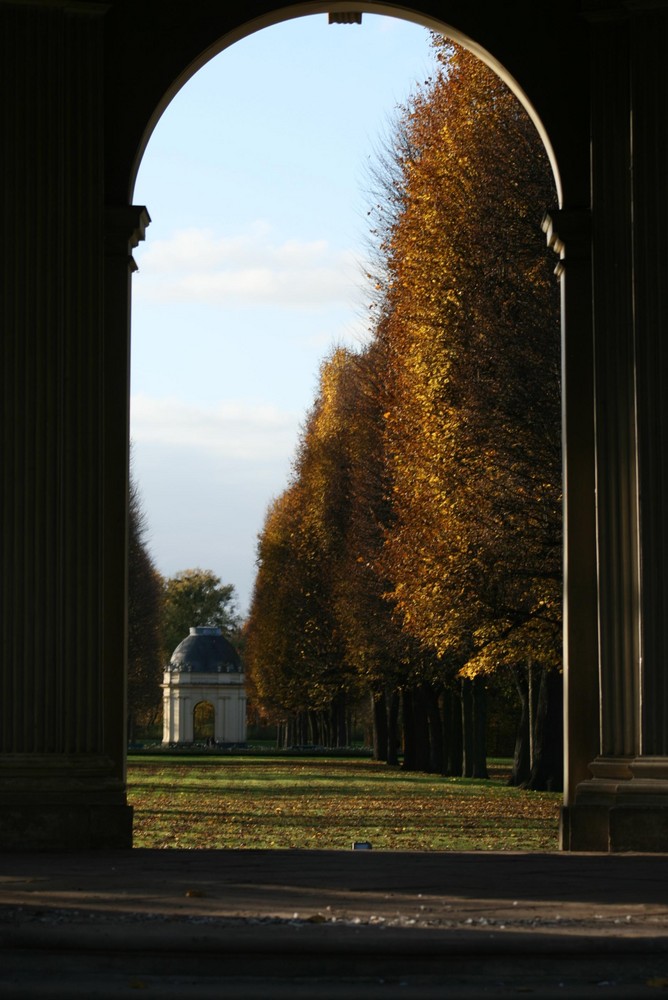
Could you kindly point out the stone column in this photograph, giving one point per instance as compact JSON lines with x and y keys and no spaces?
{"x":624,"y":803}
{"x":616,"y":453}
{"x":649,"y":83}
{"x":241,"y":715}
{"x":186,"y":720}
{"x":569,"y":233}
{"x":220,"y":719}
{"x":167,"y":716}
{"x":178,"y":716}
{"x":61,"y":732}
{"x":125,"y":226}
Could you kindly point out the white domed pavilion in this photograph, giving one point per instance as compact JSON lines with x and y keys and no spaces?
{"x":204,"y":680}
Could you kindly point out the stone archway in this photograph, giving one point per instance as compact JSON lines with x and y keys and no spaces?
{"x":577,"y":408}
{"x":84,"y":81}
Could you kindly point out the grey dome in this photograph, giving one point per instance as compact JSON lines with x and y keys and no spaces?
{"x":205,"y":651}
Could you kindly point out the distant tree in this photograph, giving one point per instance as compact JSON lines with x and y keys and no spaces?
{"x":144,"y":615}
{"x":279,"y":625}
{"x":196,"y":597}
{"x":297,"y":656}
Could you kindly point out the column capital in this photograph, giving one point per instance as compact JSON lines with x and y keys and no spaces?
{"x":568,"y":233}
{"x":125,"y":228}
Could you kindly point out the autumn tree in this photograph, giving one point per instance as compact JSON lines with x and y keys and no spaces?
{"x":277,"y":623}
{"x":380,"y":653}
{"x":196,"y":597}
{"x":295,"y":661}
{"x":144,"y":618}
{"x":417,"y":549}
{"x":372,"y":639}
{"x":472,"y":434}
{"x":317,"y":578}
{"x":300,"y":558}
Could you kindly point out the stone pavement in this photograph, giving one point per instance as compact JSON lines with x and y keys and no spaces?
{"x":337,"y":924}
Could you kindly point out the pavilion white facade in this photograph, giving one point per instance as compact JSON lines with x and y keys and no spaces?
{"x":205,"y":669}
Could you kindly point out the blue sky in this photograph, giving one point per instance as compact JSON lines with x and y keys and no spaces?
{"x":256,"y":180}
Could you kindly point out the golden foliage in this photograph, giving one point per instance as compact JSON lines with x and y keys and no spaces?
{"x":420,"y":536}
{"x":473,"y":336}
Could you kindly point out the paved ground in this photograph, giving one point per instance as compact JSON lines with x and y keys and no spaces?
{"x":261,"y":924}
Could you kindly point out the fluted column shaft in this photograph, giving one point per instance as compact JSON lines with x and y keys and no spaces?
{"x":569,"y":233}
{"x":616,"y":453}
{"x":649,"y":88}
{"x":62,"y":643}
{"x":623,"y":805}
{"x":630,"y":240}
{"x":125,"y":227}
{"x":52,"y":385}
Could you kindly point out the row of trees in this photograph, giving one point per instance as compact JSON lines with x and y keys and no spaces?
{"x":415,"y":557}
{"x":161,"y":610}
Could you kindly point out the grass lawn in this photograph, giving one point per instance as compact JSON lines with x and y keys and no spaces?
{"x":273,"y":802}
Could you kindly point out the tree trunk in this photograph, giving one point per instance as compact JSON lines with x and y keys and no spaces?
{"x":453,"y":720}
{"x":313,"y":726}
{"x":380,"y":726}
{"x":522,"y":758}
{"x":435,"y":731}
{"x":547,"y":772}
{"x":408,"y":725}
{"x":446,"y":713}
{"x":457,"y":756}
{"x":393,"y":729}
{"x":421,"y":729}
{"x":534,"y":675}
{"x":479,"y":705}
{"x":341,"y":732}
{"x":467,"y":728}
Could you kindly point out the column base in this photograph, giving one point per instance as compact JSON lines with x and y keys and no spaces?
{"x":62,"y":802}
{"x":619,"y":828}
{"x":624,"y":807}
{"x":64,"y":826}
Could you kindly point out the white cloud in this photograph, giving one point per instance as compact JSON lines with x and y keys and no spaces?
{"x":233,"y":430}
{"x":194,"y":265}
{"x":204,"y":510}
{"x":206,"y":475}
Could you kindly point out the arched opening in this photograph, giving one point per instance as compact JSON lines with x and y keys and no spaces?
{"x":204,"y":722}
{"x":545,"y":205}
{"x":283,"y":14}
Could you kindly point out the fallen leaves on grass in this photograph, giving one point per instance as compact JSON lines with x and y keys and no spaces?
{"x":274,"y":803}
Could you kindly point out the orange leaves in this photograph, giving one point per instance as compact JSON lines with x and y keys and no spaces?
{"x":471,"y":300}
